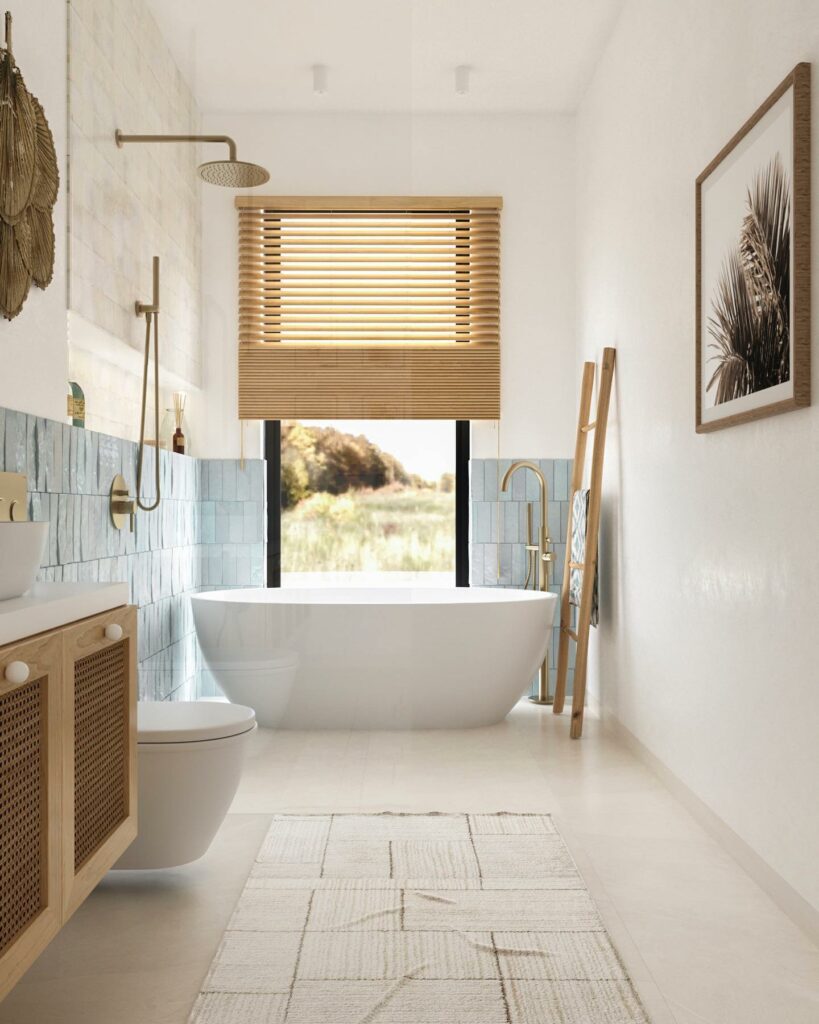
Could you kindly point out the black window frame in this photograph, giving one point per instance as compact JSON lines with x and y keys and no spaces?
{"x":273,"y":471}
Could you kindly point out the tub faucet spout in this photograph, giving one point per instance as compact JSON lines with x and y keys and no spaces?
{"x":544,"y":540}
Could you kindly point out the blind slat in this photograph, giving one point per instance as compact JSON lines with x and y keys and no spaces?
{"x":356,"y":308}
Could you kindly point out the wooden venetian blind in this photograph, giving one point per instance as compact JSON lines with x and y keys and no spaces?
{"x":381,"y":308}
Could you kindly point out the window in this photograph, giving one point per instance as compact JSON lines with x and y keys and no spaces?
{"x":366,"y":308}
{"x":366,"y":498}
{"x":374,"y":499}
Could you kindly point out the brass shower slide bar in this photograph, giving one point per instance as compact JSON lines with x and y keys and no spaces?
{"x":141,"y":308}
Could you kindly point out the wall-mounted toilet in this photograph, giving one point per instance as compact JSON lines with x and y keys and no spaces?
{"x":189,"y":765}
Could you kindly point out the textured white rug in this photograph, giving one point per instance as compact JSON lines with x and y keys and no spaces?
{"x":416,"y":919}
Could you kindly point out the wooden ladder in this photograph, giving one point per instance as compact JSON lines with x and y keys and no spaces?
{"x":580,"y":635}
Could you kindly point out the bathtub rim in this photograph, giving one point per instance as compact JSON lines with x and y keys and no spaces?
{"x":368,"y":597}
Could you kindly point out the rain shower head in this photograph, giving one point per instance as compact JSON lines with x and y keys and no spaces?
{"x":233,"y":173}
{"x":230,"y":173}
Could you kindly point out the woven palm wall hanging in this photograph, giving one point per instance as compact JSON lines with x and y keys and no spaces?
{"x":29,"y":182}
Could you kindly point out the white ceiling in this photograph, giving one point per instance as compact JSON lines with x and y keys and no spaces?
{"x":384,"y":55}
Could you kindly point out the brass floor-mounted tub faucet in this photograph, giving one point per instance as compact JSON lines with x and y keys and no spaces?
{"x":542,"y":563}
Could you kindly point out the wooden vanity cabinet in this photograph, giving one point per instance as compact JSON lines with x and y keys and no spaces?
{"x":30,"y":805}
{"x":99,"y":749}
{"x":67,"y":776}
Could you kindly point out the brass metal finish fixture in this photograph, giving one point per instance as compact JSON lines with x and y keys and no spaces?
{"x":531,"y":552}
{"x":151,"y":313}
{"x":230,"y":173}
{"x":543,"y":559}
{"x":13,"y":504}
{"x":120,"y":503}
{"x":143,"y":308}
{"x":29,"y":183}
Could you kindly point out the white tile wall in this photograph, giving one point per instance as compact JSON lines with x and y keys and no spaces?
{"x":127,"y":205}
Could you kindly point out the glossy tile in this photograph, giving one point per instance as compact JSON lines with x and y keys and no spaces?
{"x":173,"y":551}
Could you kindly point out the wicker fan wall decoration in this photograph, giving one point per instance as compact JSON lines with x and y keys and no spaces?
{"x":29,"y":182}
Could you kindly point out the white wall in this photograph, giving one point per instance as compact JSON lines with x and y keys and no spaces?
{"x":33,"y":356}
{"x":706,"y":650}
{"x":526,"y":158}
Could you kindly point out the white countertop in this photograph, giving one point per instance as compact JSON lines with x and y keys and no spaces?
{"x":51,"y":605}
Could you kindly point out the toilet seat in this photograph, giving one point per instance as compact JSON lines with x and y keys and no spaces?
{"x":191,"y":721}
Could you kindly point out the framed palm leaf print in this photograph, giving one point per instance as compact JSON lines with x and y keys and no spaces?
{"x":753,"y":265}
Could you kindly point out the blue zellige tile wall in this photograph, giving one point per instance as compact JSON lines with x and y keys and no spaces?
{"x":207,"y":532}
{"x":497,"y":538}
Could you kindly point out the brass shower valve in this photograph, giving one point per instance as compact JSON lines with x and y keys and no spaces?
{"x":121,"y":504}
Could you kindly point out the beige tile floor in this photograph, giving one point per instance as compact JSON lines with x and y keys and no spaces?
{"x":702,"y":942}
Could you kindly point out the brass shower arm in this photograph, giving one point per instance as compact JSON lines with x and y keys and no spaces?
{"x":226,"y":139}
{"x":230,"y":173}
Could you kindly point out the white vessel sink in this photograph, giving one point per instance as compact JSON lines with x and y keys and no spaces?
{"x":21,"y":552}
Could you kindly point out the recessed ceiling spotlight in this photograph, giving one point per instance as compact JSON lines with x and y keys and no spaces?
{"x":319,"y":79}
{"x":462,"y":79}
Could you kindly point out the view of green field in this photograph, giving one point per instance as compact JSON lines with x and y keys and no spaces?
{"x":392,"y":529}
{"x":347,"y":506}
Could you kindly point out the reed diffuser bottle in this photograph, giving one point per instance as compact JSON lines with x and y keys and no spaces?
{"x":179,"y":399}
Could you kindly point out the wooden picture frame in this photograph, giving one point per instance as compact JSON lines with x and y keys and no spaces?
{"x":753,"y":289}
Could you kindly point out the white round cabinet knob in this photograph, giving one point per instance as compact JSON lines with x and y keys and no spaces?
{"x":17,"y":672}
{"x":113,"y":631}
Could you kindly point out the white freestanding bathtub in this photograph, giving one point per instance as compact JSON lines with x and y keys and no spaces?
{"x":401,"y":658}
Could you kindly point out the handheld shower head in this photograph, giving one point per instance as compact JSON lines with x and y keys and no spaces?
{"x":230,"y":173}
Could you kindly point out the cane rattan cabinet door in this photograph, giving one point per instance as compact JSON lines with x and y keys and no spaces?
{"x":99,"y":749}
{"x":30,"y":775}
